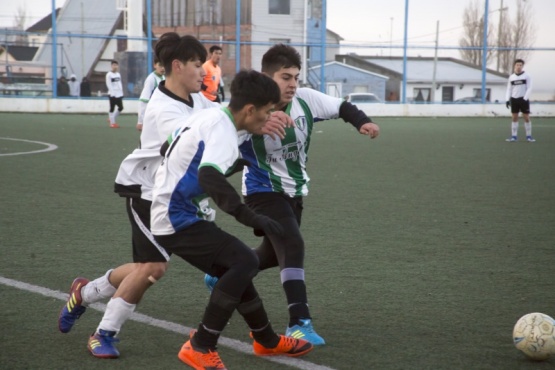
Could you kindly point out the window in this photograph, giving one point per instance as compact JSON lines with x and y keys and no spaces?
{"x":280,"y":41}
{"x":422,"y":95}
{"x":279,"y":7}
{"x":478,"y":93}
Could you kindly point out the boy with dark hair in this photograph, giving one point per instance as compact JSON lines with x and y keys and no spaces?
{"x":211,"y":84}
{"x":276,"y":182}
{"x":197,"y":161}
{"x":115,"y":93}
{"x":151,"y":83}
{"x":519,"y":89}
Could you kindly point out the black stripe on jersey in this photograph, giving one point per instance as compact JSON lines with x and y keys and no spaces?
{"x":518,"y":82}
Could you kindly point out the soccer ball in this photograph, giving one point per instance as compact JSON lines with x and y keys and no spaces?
{"x":534,"y":335}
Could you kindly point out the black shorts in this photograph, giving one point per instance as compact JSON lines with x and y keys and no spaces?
{"x":145,"y":247}
{"x":276,"y":205}
{"x":520,"y":105}
{"x":201,"y":244}
{"x":116,"y":101}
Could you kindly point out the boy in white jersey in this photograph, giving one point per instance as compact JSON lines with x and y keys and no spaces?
{"x":151,"y":83}
{"x":170,"y":105}
{"x":519,"y":89}
{"x":276,"y":182}
{"x":195,"y":167}
{"x":115,"y":93}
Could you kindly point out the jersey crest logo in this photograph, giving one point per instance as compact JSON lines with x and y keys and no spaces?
{"x":300,"y":122}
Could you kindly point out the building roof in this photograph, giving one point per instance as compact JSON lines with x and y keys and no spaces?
{"x":448,"y":70}
{"x":44,"y":24}
{"x":343,"y":65}
{"x":21,"y":53}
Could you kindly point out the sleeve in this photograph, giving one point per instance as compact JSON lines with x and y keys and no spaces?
{"x":321,"y":105}
{"x":148,"y":88}
{"x":108,"y":84}
{"x":528,"y":87}
{"x":351,"y":114}
{"x":142,"y":109}
{"x":221,"y":148}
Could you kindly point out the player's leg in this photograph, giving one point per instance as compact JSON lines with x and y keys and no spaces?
{"x":119,"y":104}
{"x":111,"y":111}
{"x":527,"y":122}
{"x":150,"y":266}
{"x":289,"y":253}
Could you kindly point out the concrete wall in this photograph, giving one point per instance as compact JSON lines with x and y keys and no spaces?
{"x":101,"y":105}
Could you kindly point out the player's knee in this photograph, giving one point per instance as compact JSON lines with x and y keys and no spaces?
{"x":154,"y":271}
{"x":294,"y":252}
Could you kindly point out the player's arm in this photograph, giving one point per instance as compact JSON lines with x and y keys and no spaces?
{"x":351,"y":114}
{"x":228,"y":200}
{"x":528,"y":87}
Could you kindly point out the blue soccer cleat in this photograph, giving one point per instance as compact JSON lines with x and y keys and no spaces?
{"x":101,"y":344}
{"x":210,"y":281}
{"x":530,"y":139}
{"x":304,"y":330}
{"x":512,"y":139}
{"x":73,"y":309}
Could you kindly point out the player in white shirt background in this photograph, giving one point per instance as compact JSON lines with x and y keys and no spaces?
{"x":519,"y":89}
{"x":115,"y":93}
{"x":151,"y":83}
{"x":172,"y":102}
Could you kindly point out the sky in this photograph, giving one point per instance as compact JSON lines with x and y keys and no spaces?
{"x":378,"y":21}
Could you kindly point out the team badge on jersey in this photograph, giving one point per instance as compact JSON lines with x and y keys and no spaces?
{"x":301,"y":123}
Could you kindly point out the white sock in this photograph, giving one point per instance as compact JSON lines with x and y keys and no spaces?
{"x":99,"y":289}
{"x":528,"y":127}
{"x":116,"y":114}
{"x":514,"y":129}
{"x":111,"y":117}
{"x":117,"y":312}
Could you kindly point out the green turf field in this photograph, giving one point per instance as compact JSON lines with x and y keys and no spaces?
{"x":424,"y":246}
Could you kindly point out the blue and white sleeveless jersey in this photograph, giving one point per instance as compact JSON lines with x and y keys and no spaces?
{"x":209,"y":138}
{"x":280,"y":165}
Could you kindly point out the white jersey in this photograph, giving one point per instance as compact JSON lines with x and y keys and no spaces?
{"x":151,"y":83}
{"x":280,"y":165}
{"x":165,"y":113}
{"x":519,"y":86}
{"x":113,"y":83}
{"x":209,"y":138}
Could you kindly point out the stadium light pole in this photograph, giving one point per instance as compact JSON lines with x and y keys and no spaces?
{"x":485,"y":51}
{"x":54,"y":51}
{"x":404,"y":96}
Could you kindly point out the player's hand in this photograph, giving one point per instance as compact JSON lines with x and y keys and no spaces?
{"x":276,"y":124}
{"x":508,"y":104}
{"x":139,"y":127}
{"x":370,"y":129}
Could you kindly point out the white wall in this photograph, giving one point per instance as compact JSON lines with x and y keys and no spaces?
{"x":101,"y":105}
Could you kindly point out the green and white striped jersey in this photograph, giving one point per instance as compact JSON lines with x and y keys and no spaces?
{"x":279,"y":165}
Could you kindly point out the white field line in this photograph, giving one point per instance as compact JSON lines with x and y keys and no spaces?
{"x":167,"y":325}
{"x":49,"y":147}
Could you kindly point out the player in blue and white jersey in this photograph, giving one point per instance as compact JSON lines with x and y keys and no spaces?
{"x":519,"y":89}
{"x":195,"y":167}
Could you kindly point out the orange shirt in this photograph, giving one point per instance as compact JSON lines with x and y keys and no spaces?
{"x":211,"y":80}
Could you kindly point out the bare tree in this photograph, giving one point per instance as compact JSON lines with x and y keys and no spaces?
{"x":522,"y":35}
{"x":472,"y":40}
{"x":19,"y":25}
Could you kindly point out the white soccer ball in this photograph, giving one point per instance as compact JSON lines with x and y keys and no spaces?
{"x":534,"y":335}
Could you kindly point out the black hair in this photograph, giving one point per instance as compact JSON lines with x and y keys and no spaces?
{"x":171,"y":46}
{"x":518,"y":61}
{"x":252,"y":87}
{"x":213,"y":48}
{"x":280,"y":56}
{"x":114,"y":62}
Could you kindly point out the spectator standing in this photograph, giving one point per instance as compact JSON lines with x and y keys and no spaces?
{"x":211,"y":82}
{"x":85,"y":87}
{"x":74,"y":86}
